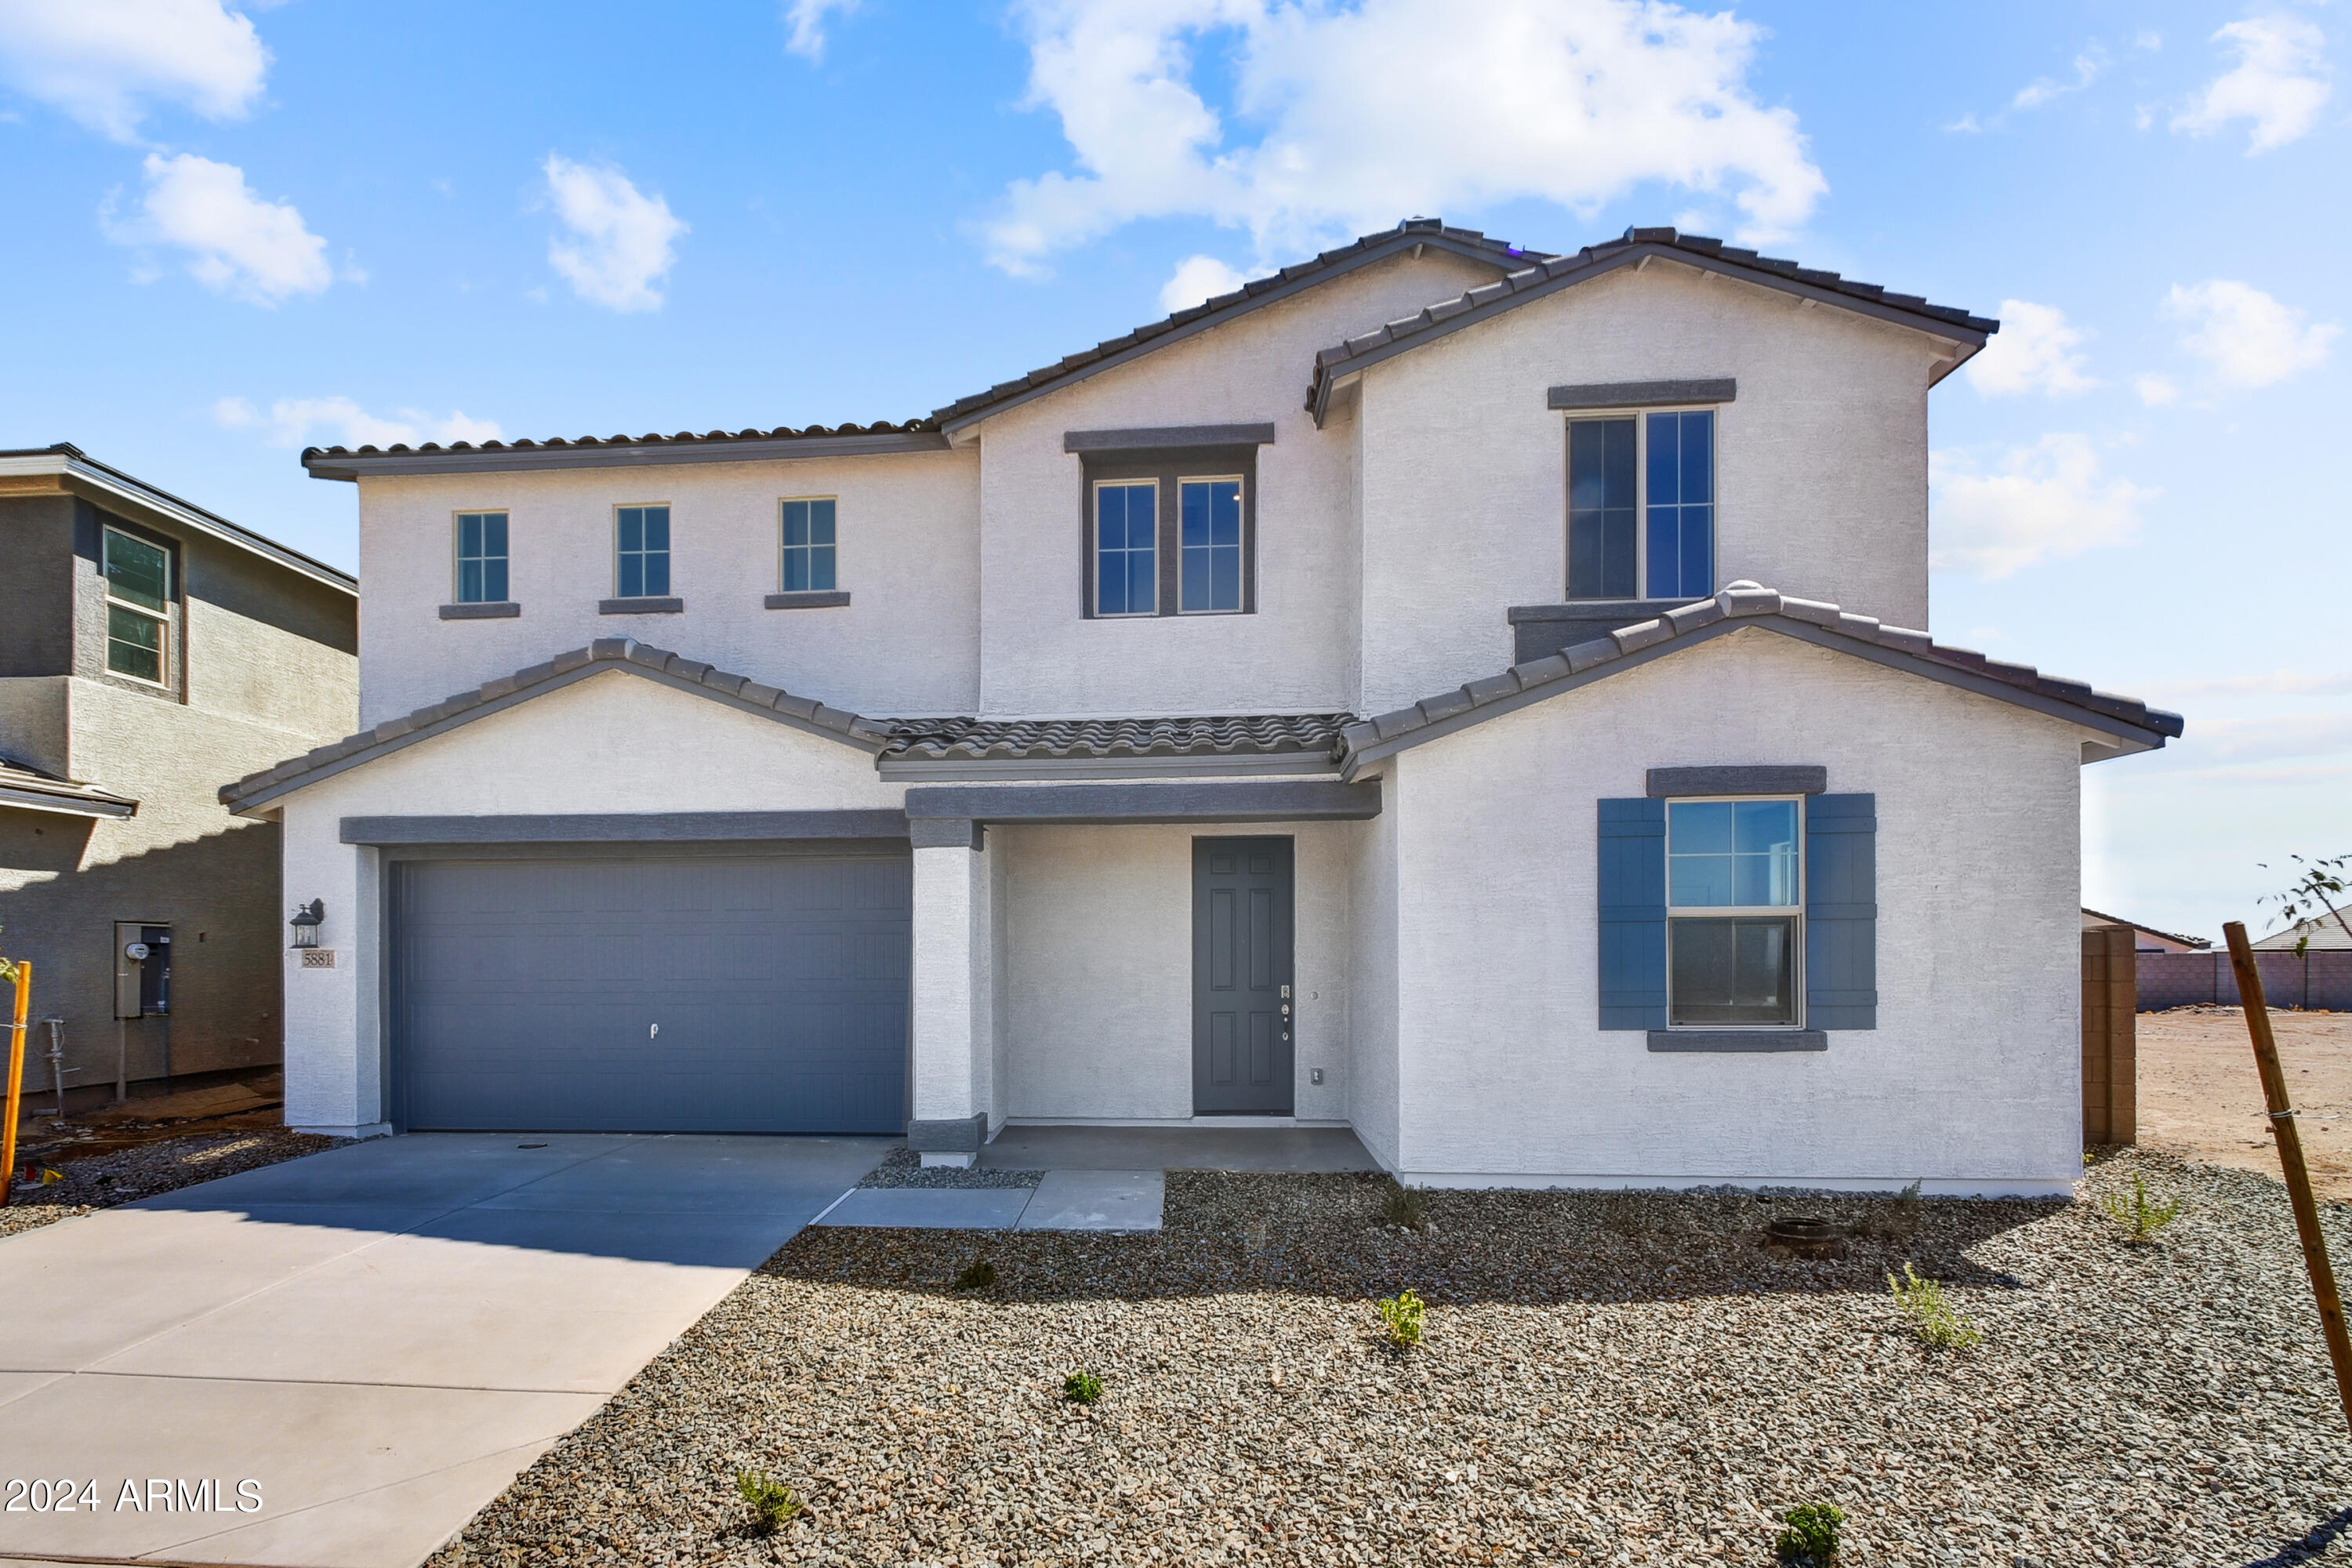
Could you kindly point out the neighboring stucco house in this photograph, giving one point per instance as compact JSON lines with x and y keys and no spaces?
{"x":1014,"y":764}
{"x":148,"y":650}
{"x":2323,"y":935}
{"x":2146,"y":938}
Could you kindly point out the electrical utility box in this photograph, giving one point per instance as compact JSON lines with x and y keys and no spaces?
{"x":142,"y":970}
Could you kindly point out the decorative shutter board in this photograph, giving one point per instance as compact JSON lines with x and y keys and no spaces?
{"x":1842,"y":911}
{"x":1632,"y":883}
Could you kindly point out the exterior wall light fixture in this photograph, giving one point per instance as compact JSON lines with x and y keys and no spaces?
{"x":308,"y":918}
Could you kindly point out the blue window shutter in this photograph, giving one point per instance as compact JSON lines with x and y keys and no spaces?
{"x":1633,"y":914}
{"x":1842,"y":911}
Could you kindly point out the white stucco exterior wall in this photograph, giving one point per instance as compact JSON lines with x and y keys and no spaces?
{"x":1371,"y":1097}
{"x":1822,"y":461}
{"x":907,"y":553}
{"x":1972,"y":1079}
{"x":950,"y":1019}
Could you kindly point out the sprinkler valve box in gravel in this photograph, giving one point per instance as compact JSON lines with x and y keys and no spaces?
{"x":1476,"y":697}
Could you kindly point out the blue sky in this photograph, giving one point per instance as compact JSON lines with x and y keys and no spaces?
{"x":237,"y":231}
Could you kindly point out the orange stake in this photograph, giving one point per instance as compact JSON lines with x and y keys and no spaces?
{"x":16,"y":1082}
{"x":2290,"y":1148}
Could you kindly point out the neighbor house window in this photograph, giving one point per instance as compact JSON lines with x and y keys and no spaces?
{"x":1127,"y":548}
{"x":808,"y":545}
{"x":138,"y":606}
{"x":643,"y":565}
{"x":1210,"y":544}
{"x":1735,"y":896}
{"x":1641,"y":506}
{"x":481,"y":558}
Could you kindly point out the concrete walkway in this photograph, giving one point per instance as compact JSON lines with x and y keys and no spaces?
{"x":379,"y":1337}
{"x":1203,"y":1148}
{"x":1065,"y":1200}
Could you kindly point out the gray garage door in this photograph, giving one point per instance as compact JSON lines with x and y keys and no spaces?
{"x":742,"y":994}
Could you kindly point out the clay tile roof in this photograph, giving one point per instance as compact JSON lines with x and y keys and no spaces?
{"x":974,"y":739}
{"x":684,"y":437}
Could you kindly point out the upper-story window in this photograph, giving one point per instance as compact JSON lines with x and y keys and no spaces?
{"x":808,"y":564}
{"x":1127,"y":548}
{"x":138,"y":606}
{"x":1734,"y":910}
{"x":1641,"y":506}
{"x":1172,"y":532}
{"x":641,"y":543}
{"x":1210,"y":544}
{"x":481,"y":558}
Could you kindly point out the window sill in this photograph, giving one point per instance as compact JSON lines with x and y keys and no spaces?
{"x":494,"y":610}
{"x":808,"y":599}
{"x":1739,"y":1040}
{"x":646,"y":607}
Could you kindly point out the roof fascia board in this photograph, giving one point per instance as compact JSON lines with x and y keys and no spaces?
{"x":247,"y":805}
{"x":1409,"y":241}
{"x":20,"y":799}
{"x":1272,"y":800}
{"x":94,"y":482}
{"x":2133,"y":738}
{"x":636,"y":827}
{"x":1634,"y":255}
{"x":635,"y":454}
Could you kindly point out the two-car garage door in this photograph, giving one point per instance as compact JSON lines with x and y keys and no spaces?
{"x":720,"y":993}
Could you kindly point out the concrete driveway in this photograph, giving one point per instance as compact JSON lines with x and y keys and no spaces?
{"x":378,"y":1338}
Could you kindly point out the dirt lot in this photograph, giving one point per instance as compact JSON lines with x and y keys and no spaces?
{"x":2198,"y":1096}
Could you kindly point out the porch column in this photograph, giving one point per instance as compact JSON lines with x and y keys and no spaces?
{"x":950,"y":1027}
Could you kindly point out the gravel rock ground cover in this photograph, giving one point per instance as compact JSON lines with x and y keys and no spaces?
{"x":905,"y":1168}
{"x":94,"y":1181}
{"x":1606,"y":1378}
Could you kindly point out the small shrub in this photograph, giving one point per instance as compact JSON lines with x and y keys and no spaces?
{"x":2140,"y":1218}
{"x":1403,"y":1205}
{"x":772,"y":1502}
{"x":1081,"y":1388}
{"x":979,"y":1276}
{"x":1810,"y":1540}
{"x":1931,"y":1316}
{"x":1402,"y":1315}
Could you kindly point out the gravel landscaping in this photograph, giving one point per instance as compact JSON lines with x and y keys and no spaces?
{"x":151,"y":1165}
{"x":1605,"y":1379}
{"x":905,"y":1168}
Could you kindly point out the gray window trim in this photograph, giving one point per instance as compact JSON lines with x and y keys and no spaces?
{"x":1641,"y":394}
{"x":1770,"y":779}
{"x":1157,"y":800}
{"x":1155,"y":437}
{"x":482,"y":610}
{"x":808,"y":599}
{"x":944,"y":833}
{"x":1168,"y":466}
{"x":603,"y":827}
{"x":647,"y":606}
{"x":1739,"y":1040}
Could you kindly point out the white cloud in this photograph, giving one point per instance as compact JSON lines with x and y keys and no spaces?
{"x":806,"y":18}
{"x":1366,"y":115}
{"x":292,"y":422}
{"x":623,"y":241}
{"x":105,"y":62}
{"x":2249,"y":338}
{"x":2280,"y":82}
{"x":2157,"y":391}
{"x":237,"y":243}
{"x":2041,"y":89}
{"x":2035,"y":350}
{"x":2045,"y":502}
{"x":1198,"y":279}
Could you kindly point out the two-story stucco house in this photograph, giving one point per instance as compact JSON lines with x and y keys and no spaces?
{"x":1349,"y":701}
{"x":150,"y":648}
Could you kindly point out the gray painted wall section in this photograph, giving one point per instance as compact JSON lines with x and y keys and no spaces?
{"x":625,"y":827}
{"x":1641,"y":394}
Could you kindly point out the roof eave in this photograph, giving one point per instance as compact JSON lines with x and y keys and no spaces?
{"x":522,"y":458}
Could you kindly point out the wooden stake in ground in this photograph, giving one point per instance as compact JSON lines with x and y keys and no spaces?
{"x":2290,"y":1148}
{"x":16,"y":1081}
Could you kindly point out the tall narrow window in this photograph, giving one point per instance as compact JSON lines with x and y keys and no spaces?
{"x":808,"y":545}
{"x":138,"y":606}
{"x":1602,"y":538}
{"x":644,"y":562}
{"x":481,"y":558}
{"x":1210,"y":512}
{"x":1682,"y":505}
{"x":1735,"y":893}
{"x":1127,"y":545}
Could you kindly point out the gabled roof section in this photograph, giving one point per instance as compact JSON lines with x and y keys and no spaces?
{"x":1549,"y":275}
{"x":626,"y":451}
{"x":28,"y":788}
{"x":625,"y":654}
{"x":1034,"y":740}
{"x":2133,"y":724}
{"x":1411,"y":236}
{"x":2199,"y":942}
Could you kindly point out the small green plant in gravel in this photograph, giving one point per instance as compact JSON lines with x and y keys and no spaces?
{"x":1081,"y":1388}
{"x":979,"y":1276}
{"x":1932,"y":1318}
{"x":2140,"y":1218}
{"x":1402,"y":1315}
{"x":772,"y":1502}
{"x":1810,"y":1540}
{"x":1403,"y":1205}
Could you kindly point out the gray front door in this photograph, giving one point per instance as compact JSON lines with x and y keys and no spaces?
{"x":1241,"y":1002}
{"x":742,"y":992}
